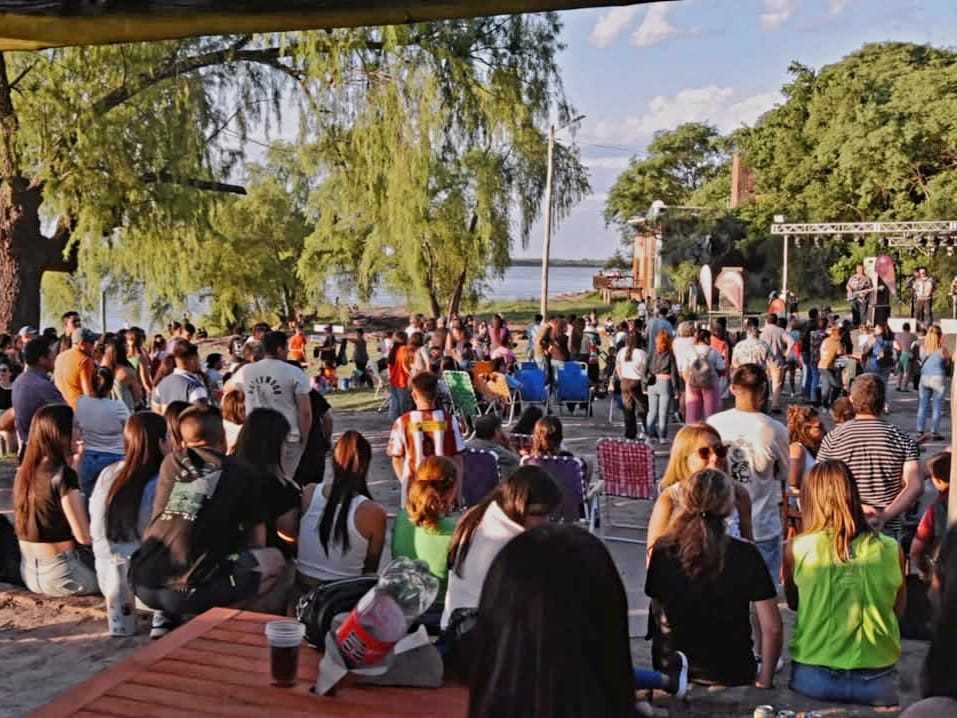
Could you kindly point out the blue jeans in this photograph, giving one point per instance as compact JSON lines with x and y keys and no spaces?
{"x":814,"y":384}
{"x":770,"y":550}
{"x":399,"y":401}
{"x":648,"y":679}
{"x":866,"y":686}
{"x":93,"y":463}
{"x":931,"y":390}
{"x":659,"y":400}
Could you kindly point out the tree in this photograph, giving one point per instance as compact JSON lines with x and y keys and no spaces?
{"x":683,"y":277}
{"x":679,"y":162}
{"x":126,"y":152}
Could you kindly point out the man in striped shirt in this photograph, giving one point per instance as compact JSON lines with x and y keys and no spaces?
{"x":425,"y":431}
{"x":882,"y":458}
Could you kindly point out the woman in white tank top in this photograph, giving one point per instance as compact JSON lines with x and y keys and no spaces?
{"x":342,"y":530}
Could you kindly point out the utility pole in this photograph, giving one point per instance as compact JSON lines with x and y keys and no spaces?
{"x":546,"y":246}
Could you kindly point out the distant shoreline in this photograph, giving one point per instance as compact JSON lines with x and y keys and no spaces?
{"x":557,"y":263}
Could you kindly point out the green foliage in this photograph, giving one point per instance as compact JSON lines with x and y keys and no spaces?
{"x":683,"y":277}
{"x":617,"y":261}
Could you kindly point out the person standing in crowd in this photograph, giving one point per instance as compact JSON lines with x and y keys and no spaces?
{"x":121,"y":504}
{"x":274,"y":383}
{"x":234,"y":414}
{"x":205,"y":546}
{"x":883,"y":460}
{"x":312,"y":465}
{"x":935,"y":364}
{"x":923,"y":289}
{"x":778,"y":341}
{"x":360,"y":356}
{"x":342,"y":530}
{"x":525,"y":500}
{"x":661,"y":324}
{"x":878,"y":355}
{"x":126,"y":384}
{"x":904,"y":342}
{"x":73,"y":369}
{"x":50,"y":515}
{"x":139,"y":358}
{"x":702,"y":378}
{"x":101,"y":420}
{"x":424,"y":431}
{"x":399,"y":362}
{"x":702,"y":583}
{"x":33,"y":388}
{"x":418,"y":355}
{"x":297,"y":346}
{"x":752,"y":349}
{"x":630,"y":365}
{"x":71,"y":322}
{"x":758,"y":458}
{"x":182,"y":384}
{"x":828,"y":374}
{"x":925,"y":547}
{"x":531,"y":332}
{"x":846,"y":582}
{"x":806,"y":432}
{"x":859,"y":288}
{"x":662,"y":379}
{"x":522,"y":666}
{"x":489,"y":436}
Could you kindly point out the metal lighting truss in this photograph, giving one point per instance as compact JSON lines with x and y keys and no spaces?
{"x":925,"y":237}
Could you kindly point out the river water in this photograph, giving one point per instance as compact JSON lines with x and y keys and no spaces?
{"x":519,"y":283}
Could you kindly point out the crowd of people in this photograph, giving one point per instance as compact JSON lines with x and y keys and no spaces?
{"x":210,"y":481}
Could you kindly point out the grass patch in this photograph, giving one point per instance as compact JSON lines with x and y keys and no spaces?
{"x":523,"y":311}
{"x":353,"y":400}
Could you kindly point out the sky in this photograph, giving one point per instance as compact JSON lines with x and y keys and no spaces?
{"x":638,"y":69}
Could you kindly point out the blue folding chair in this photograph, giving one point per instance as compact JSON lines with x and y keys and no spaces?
{"x":534,"y":389}
{"x":573,"y":387}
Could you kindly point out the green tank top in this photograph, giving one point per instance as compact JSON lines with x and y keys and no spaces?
{"x":846,"y":614}
{"x":430,"y":546}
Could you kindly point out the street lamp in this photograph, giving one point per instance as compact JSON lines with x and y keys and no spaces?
{"x":546,"y":248}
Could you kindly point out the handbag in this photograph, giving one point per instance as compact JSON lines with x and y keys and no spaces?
{"x":316,"y":609}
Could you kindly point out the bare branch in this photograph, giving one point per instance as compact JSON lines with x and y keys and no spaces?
{"x":205,"y":185}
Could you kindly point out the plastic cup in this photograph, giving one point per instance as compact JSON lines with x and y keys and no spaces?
{"x":284,"y":639}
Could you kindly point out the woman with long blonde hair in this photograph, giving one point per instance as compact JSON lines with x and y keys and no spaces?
{"x":696,"y":447}
{"x":846,"y":582}
{"x":935,"y":360}
{"x":702,"y":583}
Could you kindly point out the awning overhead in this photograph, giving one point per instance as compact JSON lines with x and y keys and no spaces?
{"x":35,"y":24}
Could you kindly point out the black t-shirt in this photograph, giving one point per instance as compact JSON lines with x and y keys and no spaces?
{"x":205,"y":505}
{"x":708,"y":619}
{"x":48,"y":522}
{"x":6,"y":398}
{"x":279,"y":497}
{"x":312,"y":465}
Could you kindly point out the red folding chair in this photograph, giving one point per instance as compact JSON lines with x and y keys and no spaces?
{"x":627,"y":471}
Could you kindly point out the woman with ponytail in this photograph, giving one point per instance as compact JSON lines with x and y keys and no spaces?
{"x":702,"y":583}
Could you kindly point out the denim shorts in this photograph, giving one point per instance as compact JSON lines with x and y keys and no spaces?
{"x":236,"y":581}
{"x":865,"y":686}
{"x":770,"y":550}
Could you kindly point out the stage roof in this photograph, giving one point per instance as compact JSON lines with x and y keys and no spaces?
{"x":35,"y":24}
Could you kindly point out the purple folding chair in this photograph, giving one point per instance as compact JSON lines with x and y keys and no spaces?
{"x":480,"y":475}
{"x":569,"y":474}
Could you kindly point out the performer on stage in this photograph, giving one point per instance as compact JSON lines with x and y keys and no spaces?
{"x":924,"y":287}
{"x":859,"y":289}
{"x":953,"y":297}
{"x":882,"y":303}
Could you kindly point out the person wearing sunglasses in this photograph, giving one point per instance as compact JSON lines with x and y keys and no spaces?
{"x":696,"y":447}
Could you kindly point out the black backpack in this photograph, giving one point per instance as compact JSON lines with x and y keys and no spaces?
{"x":316,"y":609}
{"x":9,"y":553}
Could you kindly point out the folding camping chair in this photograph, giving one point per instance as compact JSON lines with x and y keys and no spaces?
{"x":464,"y":401}
{"x":480,"y":475}
{"x":500,"y":397}
{"x":534,"y":387}
{"x":573,"y":387}
{"x":627,"y":471}
{"x":579,"y":502}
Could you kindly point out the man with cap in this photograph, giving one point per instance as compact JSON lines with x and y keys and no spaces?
{"x":73,"y":370}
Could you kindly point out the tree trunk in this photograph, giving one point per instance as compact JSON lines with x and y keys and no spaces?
{"x":434,"y":306}
{"x":456,"y":298}
{"x":25,"y":254}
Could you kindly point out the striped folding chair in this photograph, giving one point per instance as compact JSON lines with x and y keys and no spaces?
{"x":627,"y":471}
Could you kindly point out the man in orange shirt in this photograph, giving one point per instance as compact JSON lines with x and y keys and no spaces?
{"x":297,"y":346}
{"x":73,"y":370}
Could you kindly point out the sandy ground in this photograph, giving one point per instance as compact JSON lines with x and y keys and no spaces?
{"x":47,"y":646}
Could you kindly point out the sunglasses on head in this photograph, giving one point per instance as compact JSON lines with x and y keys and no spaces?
{"x":720,"y":450}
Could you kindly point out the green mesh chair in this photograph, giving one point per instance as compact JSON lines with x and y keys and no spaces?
{"x":464,"y":401}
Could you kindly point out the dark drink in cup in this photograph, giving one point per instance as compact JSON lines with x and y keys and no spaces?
{"x":284,"y":639}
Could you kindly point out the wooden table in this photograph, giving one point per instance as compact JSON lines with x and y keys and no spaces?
{"x":218,"y":665}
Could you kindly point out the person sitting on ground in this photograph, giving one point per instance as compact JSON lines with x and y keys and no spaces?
{"x":422,"y":432}
{"x":702,"y":583}
{"x":101,"y":420}
{"x":696,"y":447}
{"x":423,"y":529}
{"x":234,"y":414}
{"x":205,"y":546}
{"x":342,"y":530}
{"x":846,"y":582}
{"x":525,"y":665}
{"x":183,"y":384}
{"x":933,"y":524}
{"x":172,"y":415}
{"x":259,"y":444}
{"x":121,"y":505}
{"x":490,"y":436}
{"x":528,"y":498}
{"x":49,"y":511}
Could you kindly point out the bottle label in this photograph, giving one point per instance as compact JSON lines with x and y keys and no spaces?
{"x":358,"y":646}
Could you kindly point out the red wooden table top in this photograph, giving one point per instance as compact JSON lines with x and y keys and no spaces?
{"x":218,"y":664}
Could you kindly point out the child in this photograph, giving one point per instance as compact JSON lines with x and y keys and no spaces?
{"x":933,"y":524}
{"x":326,"y":379}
